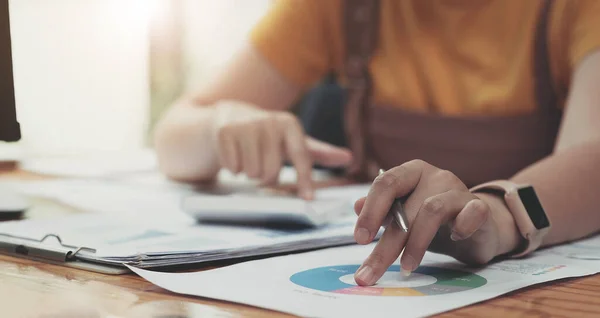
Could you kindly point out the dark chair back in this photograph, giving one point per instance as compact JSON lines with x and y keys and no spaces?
{"x":321,"y":112}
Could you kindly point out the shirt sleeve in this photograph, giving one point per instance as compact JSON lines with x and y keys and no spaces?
{"x":294,"y":38}
{"x":585,"y":31}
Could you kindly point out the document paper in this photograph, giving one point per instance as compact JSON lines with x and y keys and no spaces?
{"x":321,"y":283}
{"x":151,"y":242}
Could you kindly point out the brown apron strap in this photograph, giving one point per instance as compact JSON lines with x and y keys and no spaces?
{"x":544,"y":88}
{"x":361,"y":27}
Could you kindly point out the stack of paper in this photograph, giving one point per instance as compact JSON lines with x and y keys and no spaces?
{"x":147,"y":243}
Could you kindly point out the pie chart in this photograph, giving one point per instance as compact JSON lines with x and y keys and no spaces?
{"x":425,"y":281}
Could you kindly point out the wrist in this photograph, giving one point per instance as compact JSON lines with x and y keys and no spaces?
{"x":180,"y":141}
{"x":509,"y":237}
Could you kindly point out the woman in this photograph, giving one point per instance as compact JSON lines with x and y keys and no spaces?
{"x":445,"y":94}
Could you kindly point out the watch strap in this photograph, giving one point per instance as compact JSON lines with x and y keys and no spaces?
{"x":531,"y":239}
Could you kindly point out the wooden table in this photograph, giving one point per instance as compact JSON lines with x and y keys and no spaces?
{"x":34,"y":289}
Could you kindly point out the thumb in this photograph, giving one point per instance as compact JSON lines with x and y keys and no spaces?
{"x":328,"y":155}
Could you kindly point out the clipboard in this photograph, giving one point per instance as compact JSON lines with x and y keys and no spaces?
{"x":57,"y":253}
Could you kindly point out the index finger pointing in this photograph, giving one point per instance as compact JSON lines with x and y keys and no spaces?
{"x":297,"y":152}
{"x":385,"y":253}
{"x":396,"y":182}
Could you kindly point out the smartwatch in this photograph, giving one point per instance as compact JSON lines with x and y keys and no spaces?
{"x":527,"y":210}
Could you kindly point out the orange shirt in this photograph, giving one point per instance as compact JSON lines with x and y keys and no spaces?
{"x":457,"y":56}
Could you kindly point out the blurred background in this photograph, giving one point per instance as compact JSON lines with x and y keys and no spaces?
{"x":94,"y":75}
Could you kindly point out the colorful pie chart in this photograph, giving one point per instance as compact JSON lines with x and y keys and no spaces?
{"x":425,"y":281}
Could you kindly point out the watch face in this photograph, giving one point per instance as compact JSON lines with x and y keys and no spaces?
{"x":534,"y":208}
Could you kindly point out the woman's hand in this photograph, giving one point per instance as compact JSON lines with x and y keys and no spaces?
{"x":444,"y":217}
{"x":256,"y":142}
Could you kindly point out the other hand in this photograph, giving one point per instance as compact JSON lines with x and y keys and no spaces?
{"x":256,"y":142}
{"x":444,"y":217}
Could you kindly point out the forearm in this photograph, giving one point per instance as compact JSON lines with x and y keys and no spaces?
{"x":183,"y":143}
{"x":567,"y":184}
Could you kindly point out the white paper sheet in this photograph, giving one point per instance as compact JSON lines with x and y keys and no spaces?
{"x":350,"y":192}
{"x":110,"y":197}
{"x":93,"y":164}
{"x":586,"y":250}
{"x":151,"y":194}
{"x":321,"y":284}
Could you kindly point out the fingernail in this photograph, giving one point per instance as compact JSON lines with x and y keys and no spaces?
{"x":365,"y":275}
{"x":455,"y":237}
{"x":362,"y":236}
{"x":408,"y":265}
